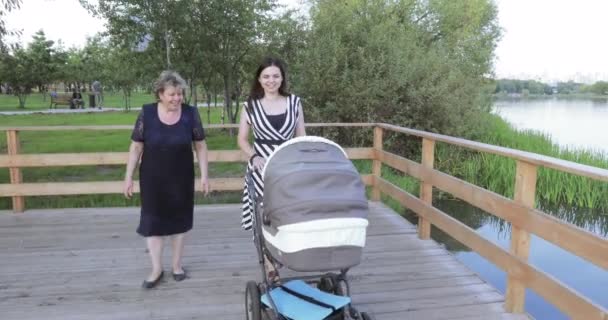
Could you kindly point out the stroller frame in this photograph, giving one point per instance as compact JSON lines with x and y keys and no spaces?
{"x":329,"y":282}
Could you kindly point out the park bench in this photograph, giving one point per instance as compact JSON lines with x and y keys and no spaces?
{"x":63,"y":100}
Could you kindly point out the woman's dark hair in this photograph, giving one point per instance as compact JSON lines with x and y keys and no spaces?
{"x":257,"y":92}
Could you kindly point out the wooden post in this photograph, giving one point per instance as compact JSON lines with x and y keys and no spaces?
{"x":13,"y":146}
{"x":525,"y":190}
{"x":377,"y":164}
{"x":426,"y":189}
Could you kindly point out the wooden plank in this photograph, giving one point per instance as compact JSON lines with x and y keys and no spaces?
{"x":360,"y":153}
{"x":563,"y":297}
{"x":377,"y":165}
{"x":94,"y":271}
{"x":426,"y":187}
{"x":525,"y":190}
{"x":109,"y":187}
{"x":533,"y":158}
{"x":98,"y":187}
{"x":400,"y":308}
{"x":576,"y":240}
{"x":489,"y":310}
{"x":120,"y":158}
{"x":13,"y":148}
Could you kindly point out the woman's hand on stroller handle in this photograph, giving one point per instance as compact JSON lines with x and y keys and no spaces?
{"x":258,"y":163}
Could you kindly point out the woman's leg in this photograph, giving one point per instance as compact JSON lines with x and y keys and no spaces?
{"x":178,"y":248}
{"x":155,"y":249}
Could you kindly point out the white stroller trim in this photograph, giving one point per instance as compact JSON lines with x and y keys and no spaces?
{"x":318,"y":234}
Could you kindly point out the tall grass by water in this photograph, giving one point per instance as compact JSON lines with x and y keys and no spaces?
{"x":497,"y":173}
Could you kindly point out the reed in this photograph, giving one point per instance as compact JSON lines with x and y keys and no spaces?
{"x":496,"y":173}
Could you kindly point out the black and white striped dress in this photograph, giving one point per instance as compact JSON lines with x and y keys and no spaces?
{"x":266,"y":139}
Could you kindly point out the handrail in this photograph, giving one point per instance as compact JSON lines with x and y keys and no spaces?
{"x":532,"y":158}
{"x":520,"y":211}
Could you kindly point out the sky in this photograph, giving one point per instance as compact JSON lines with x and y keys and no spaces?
{"x":553,"y":39}
{"x":548,"y":40}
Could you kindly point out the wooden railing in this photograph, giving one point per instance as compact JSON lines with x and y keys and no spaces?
{"x":519,"y":211}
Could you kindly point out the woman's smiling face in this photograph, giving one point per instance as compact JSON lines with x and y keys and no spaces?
{"x":271,"y":79}
{"x":171,"y":97}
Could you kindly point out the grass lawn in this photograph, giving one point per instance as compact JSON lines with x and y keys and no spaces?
{"x":38,"y":101}
{"x":99,"y":141}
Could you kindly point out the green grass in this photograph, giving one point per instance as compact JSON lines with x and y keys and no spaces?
{"x":37,"y":101}
{"x":98,"y":141}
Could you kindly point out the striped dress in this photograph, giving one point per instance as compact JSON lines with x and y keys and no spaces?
{"x":266,"y":139}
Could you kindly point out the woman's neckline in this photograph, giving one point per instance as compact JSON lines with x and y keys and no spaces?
{"x":276,"y":114}
{"x":158,"y":111}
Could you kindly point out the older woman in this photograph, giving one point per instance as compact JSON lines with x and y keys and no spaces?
{"x":163,"y":137}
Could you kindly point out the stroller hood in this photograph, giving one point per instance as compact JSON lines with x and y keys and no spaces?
{"x":310,"y":178}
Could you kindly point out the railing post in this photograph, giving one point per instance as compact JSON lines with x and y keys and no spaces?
{"x":426,"y":189}
{"x":525,"y":190}
{"x":13,"y":146}
{"x":377,"y":164}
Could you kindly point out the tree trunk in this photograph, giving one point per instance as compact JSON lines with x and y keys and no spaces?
{"x":22,"y":97}
{"x":208,"y":107}
{"x":194,"y":94}
{"x":168,"y":48}
{"x":214,"y":101}
{"x":227,"y":99}
{"x":237,"y":102}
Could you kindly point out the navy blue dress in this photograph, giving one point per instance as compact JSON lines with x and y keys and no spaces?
{"x":166,"y":172}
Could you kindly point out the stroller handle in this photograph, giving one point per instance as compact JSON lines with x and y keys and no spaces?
{"x":254,"y":198}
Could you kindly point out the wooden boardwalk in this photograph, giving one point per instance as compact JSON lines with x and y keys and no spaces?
{"x":80,"y":264}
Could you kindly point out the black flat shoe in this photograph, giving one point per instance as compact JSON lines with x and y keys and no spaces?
{"x":151,"y":284}
{"x":180,"y":276}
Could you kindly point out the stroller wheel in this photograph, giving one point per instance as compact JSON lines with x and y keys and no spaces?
{"x":341,"y":288}
{"x":326,"y":284}
{"x":252,"y":301}
{"x":366,"y":316}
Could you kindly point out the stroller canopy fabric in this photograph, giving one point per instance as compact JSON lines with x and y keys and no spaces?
{"x":316,"y":206}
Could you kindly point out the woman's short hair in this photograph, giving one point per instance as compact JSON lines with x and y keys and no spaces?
{"x":168,"y":78}
{"x":257,"y":92}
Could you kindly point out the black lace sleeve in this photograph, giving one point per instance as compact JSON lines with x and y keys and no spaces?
{"x":198,"y":133}
{"x":138,"y":130}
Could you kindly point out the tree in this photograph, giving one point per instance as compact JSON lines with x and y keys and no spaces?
{"x":417,"y":64}
{"x":7,"y":6}
{"x":195,"y":38}
{"x":19,"y":72}
{"x":41,"y":52}
{"x":599,"y":88}
{"x":235,"y":25}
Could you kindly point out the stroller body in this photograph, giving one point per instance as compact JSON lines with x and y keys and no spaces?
{"x":313,"y":219}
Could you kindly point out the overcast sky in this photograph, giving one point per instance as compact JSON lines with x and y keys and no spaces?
{"x":544,"y":39}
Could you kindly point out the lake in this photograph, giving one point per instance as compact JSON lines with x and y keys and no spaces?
{"x":571,"y":123}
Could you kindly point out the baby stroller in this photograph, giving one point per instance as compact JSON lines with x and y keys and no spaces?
{"x":313,"y":219}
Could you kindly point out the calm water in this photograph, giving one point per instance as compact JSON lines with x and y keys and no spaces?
{"x":571,"y":123}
